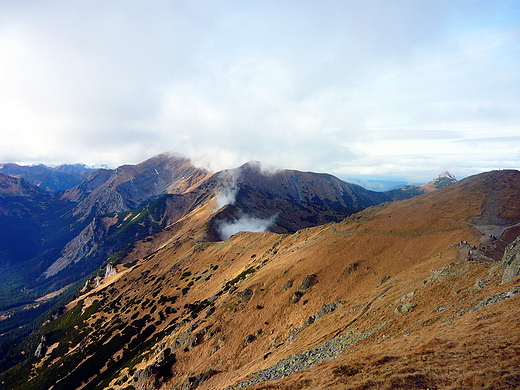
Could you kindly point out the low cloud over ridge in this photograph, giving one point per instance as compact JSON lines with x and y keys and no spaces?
{"x":245,"y":223}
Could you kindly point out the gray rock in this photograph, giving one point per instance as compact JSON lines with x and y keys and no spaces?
{"x":295,"y":298}
{"x":110,"y":271}
{"x":451,"y":270}
{"x":329,"y":350}
{"x":194,"y":381}
{"x":41,"y":348}
{"x":404,"y":307}
{"x":245,"y":295}
{"x":287,"y":285}
{"x":497,"y":298}
{"x":511,"y":261}
{"x":146,"y":379}
{"x":308,"y":282}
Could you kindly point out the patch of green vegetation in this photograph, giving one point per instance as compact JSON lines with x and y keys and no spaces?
{"x":196,"y":307}
{"x":118,"y":256}
{"x":238,"y":278}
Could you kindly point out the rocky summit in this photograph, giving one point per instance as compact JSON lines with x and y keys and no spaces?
{"x":245,"y":279}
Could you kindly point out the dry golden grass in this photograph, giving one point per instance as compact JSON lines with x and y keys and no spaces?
{"x":395,"y":270}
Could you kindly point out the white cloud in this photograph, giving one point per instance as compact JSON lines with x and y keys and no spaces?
{"x":245,"y":223}
{"x":343,"y":87}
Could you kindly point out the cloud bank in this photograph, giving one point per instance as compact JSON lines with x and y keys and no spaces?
{"x":351,"y":88}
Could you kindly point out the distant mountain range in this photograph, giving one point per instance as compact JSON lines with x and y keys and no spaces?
{"x":84,"y":222}
{"x":50,"y":179}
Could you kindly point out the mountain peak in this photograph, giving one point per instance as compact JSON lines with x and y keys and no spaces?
{"x":442,"y":180}
{"x":447,"y":175}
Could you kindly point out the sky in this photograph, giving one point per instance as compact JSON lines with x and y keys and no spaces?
{"x":397,"y":90}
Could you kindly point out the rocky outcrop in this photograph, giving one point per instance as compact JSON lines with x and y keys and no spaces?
{"x":497,"y":298}
{"x":110,"y":271}
{"x":307,"y":283}
{"x":194,"y":381}
{"x":301,"y":361}
{"x":442,"y":180}
{"x":146,"y":378}
{"x":41,"y":348}
{"x":511,"y":261}
{"x":325,"y":309}
{"x":404,"y":307}
{"x":82,"y":246}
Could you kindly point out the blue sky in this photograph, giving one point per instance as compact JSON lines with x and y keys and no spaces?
{"x":361,"y":89}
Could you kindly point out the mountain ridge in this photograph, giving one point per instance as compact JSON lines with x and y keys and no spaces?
{"x":54,"y":239}
{"x":47,"y":178}
{"x":167,"y":214}
{"x":383,"y":299}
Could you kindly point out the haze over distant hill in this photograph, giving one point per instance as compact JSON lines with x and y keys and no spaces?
{"x":51,"y":179}
{"x":334,"y":286}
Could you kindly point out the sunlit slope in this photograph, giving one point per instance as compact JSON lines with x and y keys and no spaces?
{"x":384,"y":299}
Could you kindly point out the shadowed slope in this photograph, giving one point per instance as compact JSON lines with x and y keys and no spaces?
{"x":46,"y":178}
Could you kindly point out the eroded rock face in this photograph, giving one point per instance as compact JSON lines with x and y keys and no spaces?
{"x":110,"y":271}
{"x":83,"y":245}
{"x":41,"y":348}
{"x":511,"y":261}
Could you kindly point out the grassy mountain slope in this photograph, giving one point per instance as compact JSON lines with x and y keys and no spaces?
{"x":385,"y":299}
{"x":52,"y":240}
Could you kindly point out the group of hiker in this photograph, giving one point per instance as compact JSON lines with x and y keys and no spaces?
{"x":473,"y":248}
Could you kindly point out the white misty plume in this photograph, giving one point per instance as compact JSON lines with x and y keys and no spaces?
{"x":226,"y":196}
{"x":244,"y":224}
